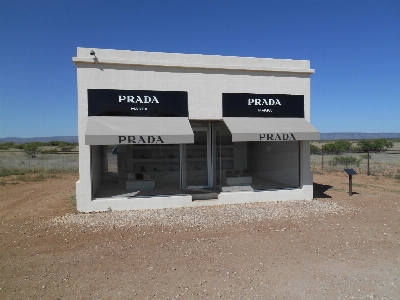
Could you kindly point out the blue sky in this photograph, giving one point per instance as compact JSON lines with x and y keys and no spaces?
{"x":354,"y":46}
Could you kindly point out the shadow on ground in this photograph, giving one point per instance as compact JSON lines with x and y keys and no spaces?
{"x":320,"y":189}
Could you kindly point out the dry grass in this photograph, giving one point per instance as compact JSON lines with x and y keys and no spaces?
{"x":382,"y":163}
{"x":16,"y":167}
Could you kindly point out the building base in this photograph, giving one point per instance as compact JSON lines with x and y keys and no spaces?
{"x":186,"y":200}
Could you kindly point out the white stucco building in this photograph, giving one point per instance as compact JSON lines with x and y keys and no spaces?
{"x":171,"y":130}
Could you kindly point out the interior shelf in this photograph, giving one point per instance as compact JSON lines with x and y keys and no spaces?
{"x":151,"y":160}
{"x":155,"y":157}
{"x":197,"y":159}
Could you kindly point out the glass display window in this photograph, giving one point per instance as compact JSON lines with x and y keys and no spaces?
{"x":213,"y":163}
{"x":263,"y":166}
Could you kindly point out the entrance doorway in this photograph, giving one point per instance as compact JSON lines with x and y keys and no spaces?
{"x":200,"y":161}
{"x":197,"y":171}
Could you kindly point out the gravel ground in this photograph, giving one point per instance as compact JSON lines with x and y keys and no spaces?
{"x":200,"y":217}
{"x":333,"y":247}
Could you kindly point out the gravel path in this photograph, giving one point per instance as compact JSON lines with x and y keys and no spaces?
{"x":201,"y":217}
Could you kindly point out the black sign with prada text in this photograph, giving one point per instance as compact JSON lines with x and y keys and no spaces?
{"x":137,"y":103}
{"x":262,"y":105}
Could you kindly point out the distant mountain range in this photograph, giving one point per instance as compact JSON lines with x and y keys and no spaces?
{"x":17,"y":140}
{"x":324,"y":136}
{"x":358,"y":136}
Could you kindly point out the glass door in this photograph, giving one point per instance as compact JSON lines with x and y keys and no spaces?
{"x":201,"y":161}
{"x":197,"y":159}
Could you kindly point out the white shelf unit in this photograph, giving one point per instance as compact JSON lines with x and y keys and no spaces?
{"x":152,"y":159}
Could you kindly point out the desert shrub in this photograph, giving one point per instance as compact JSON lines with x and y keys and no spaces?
{"x":381,"y":144}
{"x":62,"y":146}
{"x":66,"y":147}
{"x":345,"y":160}
{"x":6,"y":146}
{"x":31,"y":149}
{"x":365,"y":145}
{"x":49,"y":151}
{"x":34,"y":148}
{"x":374,"y":145}
{"x":19,"y":146}
{"x":314,"y":149}
{"x":337,"y":147}
{"x":54,"y":143}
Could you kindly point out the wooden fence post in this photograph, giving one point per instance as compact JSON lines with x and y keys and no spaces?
{"x":322,"y":151}
{"x":368,"y":164}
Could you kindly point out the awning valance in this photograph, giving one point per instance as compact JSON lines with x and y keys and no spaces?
{"x":271,"y":129}
{"x":138,"y":130}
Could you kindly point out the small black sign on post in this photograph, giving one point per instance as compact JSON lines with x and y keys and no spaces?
{"x":350,"y":172}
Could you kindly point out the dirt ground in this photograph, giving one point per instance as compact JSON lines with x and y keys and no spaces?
{"x":354,"y":255}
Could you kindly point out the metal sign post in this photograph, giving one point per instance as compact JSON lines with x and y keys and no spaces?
{"x":350,"y":172}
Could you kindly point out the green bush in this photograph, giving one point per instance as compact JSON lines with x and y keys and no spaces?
{"x":66,"y":147}
{"x":31,"y":149}
{"x":314,"y":149}
{"x":374,"y":145}
{"x":49,"y":151}
{"x":345,"y":160}
{"x":337,"y":147}
{"x":53,"y":143}
{"x":6,"y":146}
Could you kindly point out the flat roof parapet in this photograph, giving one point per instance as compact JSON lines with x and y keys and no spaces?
{"x":199,"y":61}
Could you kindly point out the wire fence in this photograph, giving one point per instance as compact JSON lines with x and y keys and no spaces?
{"x":385,"y":162}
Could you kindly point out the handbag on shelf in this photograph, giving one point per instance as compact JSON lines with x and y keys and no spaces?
{"x":139,"y":176}
{"x":237,"y":173}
